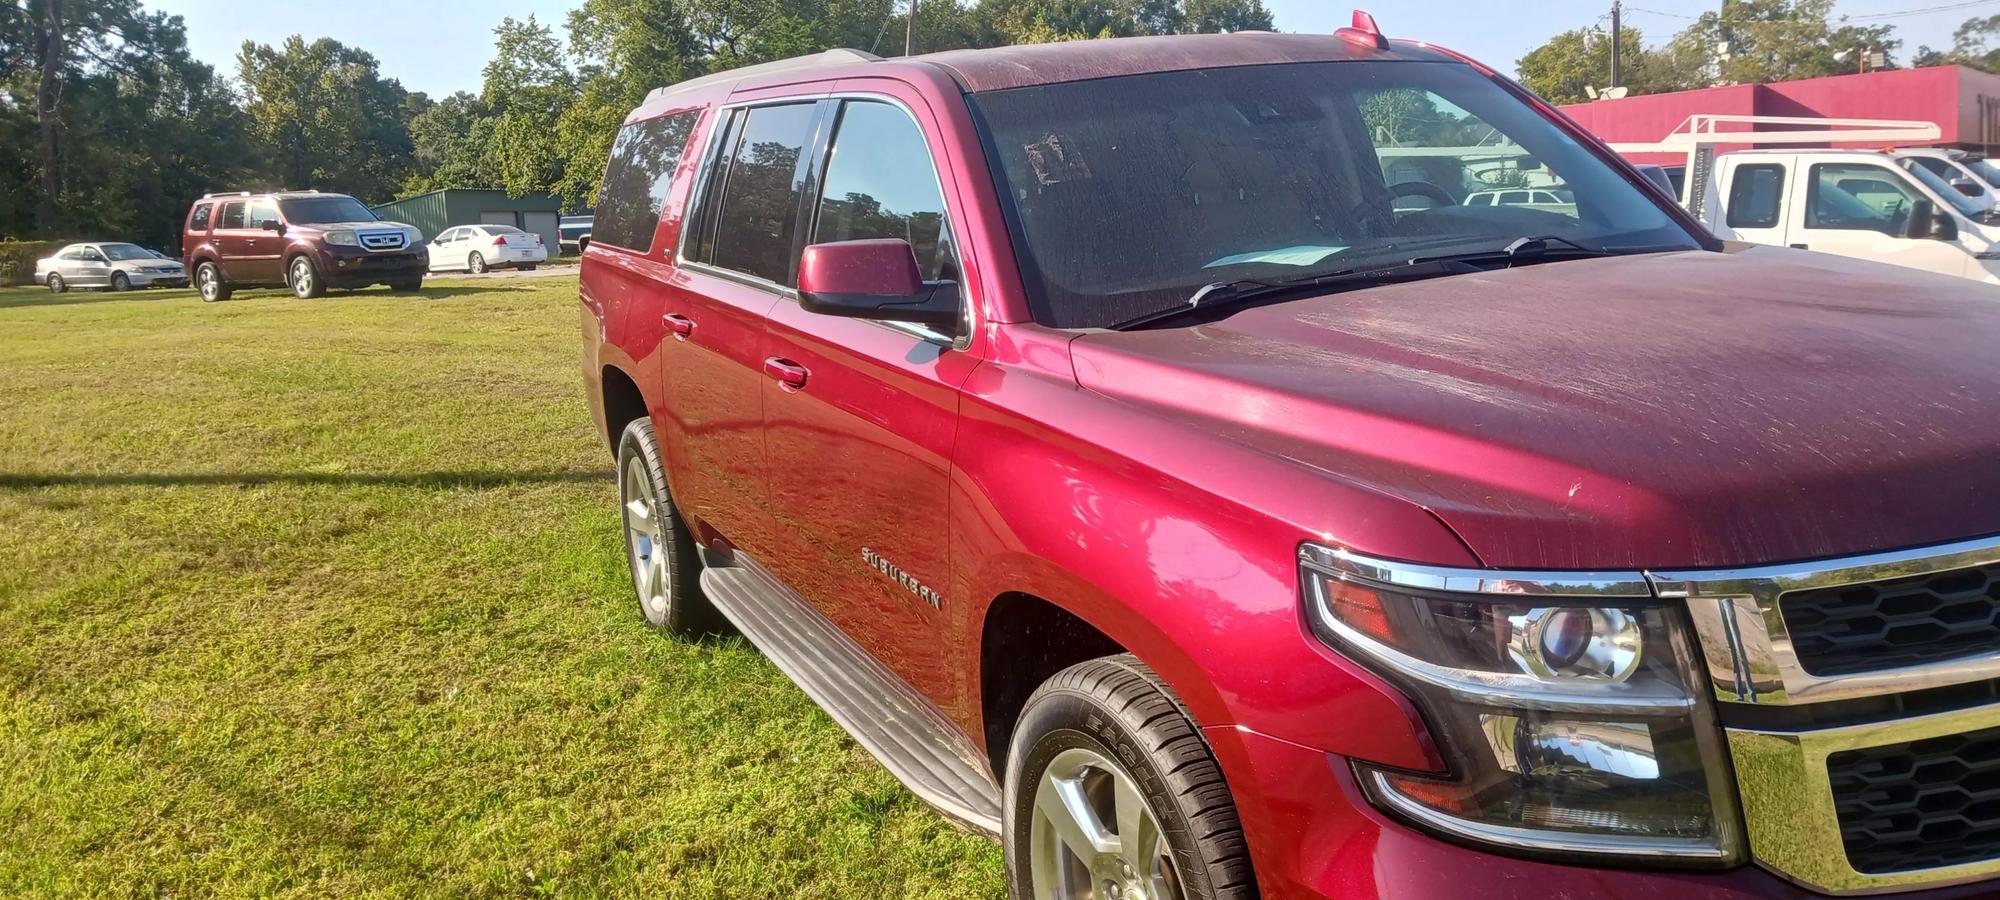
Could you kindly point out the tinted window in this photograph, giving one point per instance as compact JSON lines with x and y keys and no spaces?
{"x":502,"y":229}
{"x":262,"y":211}
{"x":1858,"y":197}
{"x":758,"y":212}
{"x":232,"y":215}
{"x":1130,"y":193}
{"x":880,"y":183}
{"x":1755,"y":194}
{"x":325,"y":210}
{"x":637,"y":178}
{"x":200,"y":222}
{"x":1937,"y":166}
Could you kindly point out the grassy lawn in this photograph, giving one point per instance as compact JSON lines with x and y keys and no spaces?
{"x":324,"y":598}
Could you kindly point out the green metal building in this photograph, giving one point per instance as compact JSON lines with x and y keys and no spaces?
{"x":436,"y":211}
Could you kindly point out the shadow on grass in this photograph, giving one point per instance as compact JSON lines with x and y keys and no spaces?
{"x":41,"y":297}
{"x":428,"y":480}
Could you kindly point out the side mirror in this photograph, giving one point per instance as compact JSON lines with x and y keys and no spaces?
{"x":272,"y":225}
{"x":1925,"y":223}
{"x":873,"y":279}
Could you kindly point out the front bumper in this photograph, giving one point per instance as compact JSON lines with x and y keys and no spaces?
{"x":352,"y":266}
{"x":148,"y":279}
{"x":1313,"y":836}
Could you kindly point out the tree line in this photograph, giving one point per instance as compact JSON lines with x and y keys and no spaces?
{"x":110,"y":128}
{"x":1742,"y":42}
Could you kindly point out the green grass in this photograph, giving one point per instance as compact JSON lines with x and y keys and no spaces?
{"x":324,"y":597}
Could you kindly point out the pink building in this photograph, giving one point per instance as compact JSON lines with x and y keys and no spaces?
{"x":1965,"y":103}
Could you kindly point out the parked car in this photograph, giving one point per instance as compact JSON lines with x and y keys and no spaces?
{"x":477,"y":248}
{"x":1858,"y":203}
{"x":110,"y":265}
{"x":1082,"y":426}
{"x":307,"y":241}
{"x":1555,"y":200}
{"x":573,"y":233}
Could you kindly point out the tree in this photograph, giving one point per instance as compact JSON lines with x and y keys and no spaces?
{"x":1561,"y":69}
{"x":528,"y":86}
{"x":451,"y":143}
{"x":1781,"y":40}
{"x":326,"y":117}
{"x":1973,"y":44}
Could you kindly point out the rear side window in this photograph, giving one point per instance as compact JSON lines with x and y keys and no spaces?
{"x":262,"y":211}
{"x":881,"y":183}
{"x":1755,"y":195}
{"x":232,"y":215}
{"x":757,"y":214}
{"x":200,"y":220}
{"x":637,"y":178}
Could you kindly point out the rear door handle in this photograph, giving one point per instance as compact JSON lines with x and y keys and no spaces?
{"x":681,"y":326}
{"x":790,"y":375}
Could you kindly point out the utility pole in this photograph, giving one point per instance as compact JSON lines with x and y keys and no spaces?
{"x":910,"y":31}
{"x":1616,"y":70}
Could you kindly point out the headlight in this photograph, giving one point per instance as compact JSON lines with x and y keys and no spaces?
{"x":1569,"y":721}
{"x":412,"y":236}
{"x":342,"y":238}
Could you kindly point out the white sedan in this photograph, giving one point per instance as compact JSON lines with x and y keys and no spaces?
{"x":110,"y":266}
{"x":476,"y":248}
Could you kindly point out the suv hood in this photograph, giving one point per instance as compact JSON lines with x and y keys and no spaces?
{"x":1675,"y":410}
{"x":375,"y":225}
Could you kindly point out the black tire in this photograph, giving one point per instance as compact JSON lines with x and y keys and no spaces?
{"x":582,"y":244}
{"x":57,"y":285}
{"x":475,"y":264}
{"x":208,"y":282}
{"x":526,"y":267}
{"x":302,"y":276}
{"x":120,"y":282}
{"x":407,"y":286}
{"x":683,"y":610}
{"x":1119,"y":710}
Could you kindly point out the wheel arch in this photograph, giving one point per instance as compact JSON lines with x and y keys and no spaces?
{"x":1024,"y":640}
{"x":623,"y":403}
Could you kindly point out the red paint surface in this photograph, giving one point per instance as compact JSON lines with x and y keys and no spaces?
{"x":880,"y":268}
{"x":1653,"y":411}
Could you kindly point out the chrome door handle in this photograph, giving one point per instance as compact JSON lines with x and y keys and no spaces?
{"x":680,"y":325}
{"x":791,"y":376}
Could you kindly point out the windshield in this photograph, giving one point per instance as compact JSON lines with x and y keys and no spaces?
{"x":1128,"y":194}
{"x":1986,"y":171}
{"x":1965,"y":206}
{"x":325,"y":210}
{"x":122,"y":252}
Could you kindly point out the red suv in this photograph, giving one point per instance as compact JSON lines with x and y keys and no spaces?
{"x":302,"y":240}
{"x":1141,"y":449}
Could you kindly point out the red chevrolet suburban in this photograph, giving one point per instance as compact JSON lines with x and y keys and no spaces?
{"x":1142,"y":450}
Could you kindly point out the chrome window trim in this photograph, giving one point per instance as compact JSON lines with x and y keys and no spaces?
{"x":711,"y":147}
{"x":1788,"y":808}
{"x":1748,"y":648}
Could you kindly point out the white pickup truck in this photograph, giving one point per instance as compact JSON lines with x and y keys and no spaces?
{"x":1861,"y":203}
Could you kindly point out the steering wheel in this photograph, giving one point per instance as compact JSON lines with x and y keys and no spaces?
{"x":1424,"y":189}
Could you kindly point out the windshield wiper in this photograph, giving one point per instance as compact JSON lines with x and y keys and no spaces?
{"x":1247,"y":292}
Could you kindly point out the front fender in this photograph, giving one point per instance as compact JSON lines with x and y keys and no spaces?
{"x":1196,"y":574}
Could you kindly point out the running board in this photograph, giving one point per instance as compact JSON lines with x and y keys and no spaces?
{"x":905,"y":733}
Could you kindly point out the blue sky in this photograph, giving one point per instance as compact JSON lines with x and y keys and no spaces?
{"x":440,"y":45}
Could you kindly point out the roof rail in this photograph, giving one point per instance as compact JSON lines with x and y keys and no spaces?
{"x":837,"y":57}
{"x":225,"y":194}
{"x":1700,"y":129}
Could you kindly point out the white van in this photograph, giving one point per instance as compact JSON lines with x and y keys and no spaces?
{"x":1858,"y":203}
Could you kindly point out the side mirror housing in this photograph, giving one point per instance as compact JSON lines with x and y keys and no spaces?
{"x":873,"y":279}
{"x":272,"y":225}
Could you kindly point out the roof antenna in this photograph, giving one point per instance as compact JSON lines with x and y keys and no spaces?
{"x":1364,"y":32}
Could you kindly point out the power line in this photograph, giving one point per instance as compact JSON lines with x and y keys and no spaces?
{"x":1863,"y":17}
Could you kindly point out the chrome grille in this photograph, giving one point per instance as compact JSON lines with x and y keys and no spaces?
{"x":1903,"y":649}
{"x":383,"y":240}
{"x":1921,"y":804}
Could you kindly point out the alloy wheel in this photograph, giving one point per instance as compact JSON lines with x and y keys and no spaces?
{"x":476,"y":264}
{"x":56,"y":284}
{"x":647,"y":538}
{"x":302,"y":277}
{"x":205,"y":283}
{"x":1093,"y":836}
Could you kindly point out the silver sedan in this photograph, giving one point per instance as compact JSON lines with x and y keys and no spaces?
{"x":111,"y":266}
